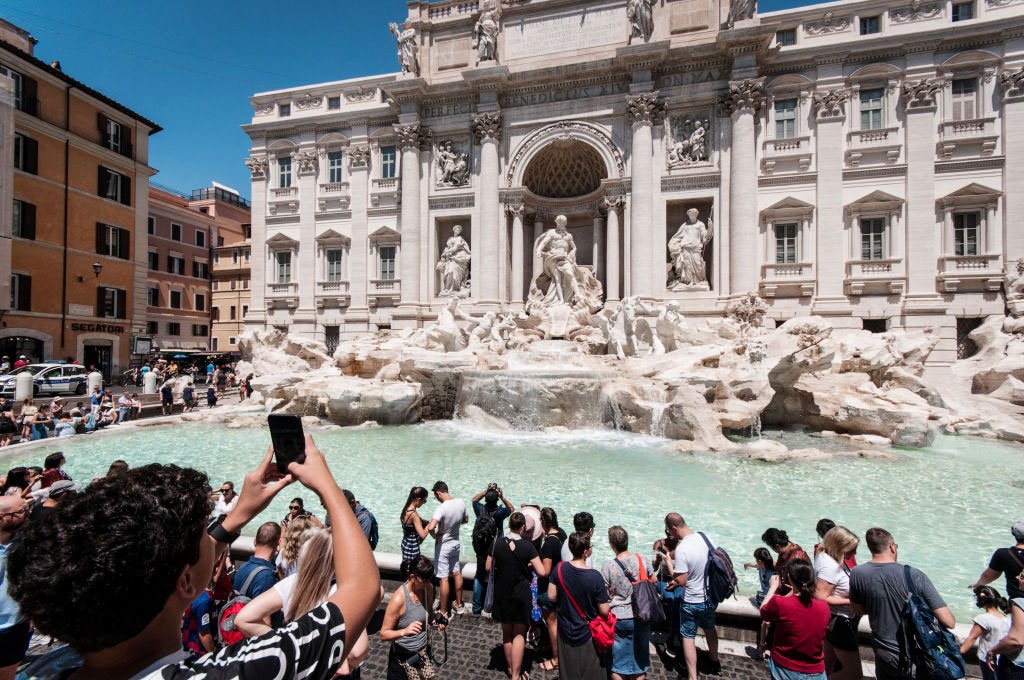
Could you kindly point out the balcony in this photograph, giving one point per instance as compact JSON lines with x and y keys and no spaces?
{"x":332,"y":294}
{"x":881,"y":145}
{"x":334,"y":196}
{"x":793,"y":153}
{"x":970,"y":273}
{"x":974,"y":137}
{"x":384,"y":292}
{"x":283,"y":295}
{"x":283,"y":201}
{"x":875,"y":276}
{"x":383,"y":187}
{"x":787,"y":280}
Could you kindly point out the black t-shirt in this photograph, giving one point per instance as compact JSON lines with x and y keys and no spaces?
{"x":588,"y":589}
{"x":550,"y":549}
{"x":1003,"y":561}
{"x":512,"y":566}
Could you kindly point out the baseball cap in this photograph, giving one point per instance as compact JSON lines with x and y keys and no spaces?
{"x":59,"y":488}
{"x":1018,"y":530}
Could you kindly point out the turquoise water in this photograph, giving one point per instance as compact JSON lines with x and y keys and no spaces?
{"x":948,"y":506}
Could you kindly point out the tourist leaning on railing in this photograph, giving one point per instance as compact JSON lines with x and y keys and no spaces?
{"x":150,"y":523}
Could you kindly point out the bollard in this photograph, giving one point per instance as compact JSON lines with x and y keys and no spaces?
{"x":24,"y":386}
{"x":95,"y":380}
{"x":149,"y":383}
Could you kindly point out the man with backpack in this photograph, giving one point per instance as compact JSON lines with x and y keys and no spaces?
{"x":259,"y":574}
{"x":691,"y":567}
{"x":880,"y":589}
{"x":490,"y":520}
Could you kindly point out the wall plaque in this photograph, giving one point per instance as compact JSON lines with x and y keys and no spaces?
{"x":576,"y":29}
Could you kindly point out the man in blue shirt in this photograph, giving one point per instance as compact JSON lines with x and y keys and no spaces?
{"x":14,"y":627}
{"x":490,"y":496}
{"x":210,"y":370}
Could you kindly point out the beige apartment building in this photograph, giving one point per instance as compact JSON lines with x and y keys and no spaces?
{"x":232,"y":273}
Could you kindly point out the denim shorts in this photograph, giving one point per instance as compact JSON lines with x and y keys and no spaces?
{"x":694,"y":616}
{"x":780,"y":673}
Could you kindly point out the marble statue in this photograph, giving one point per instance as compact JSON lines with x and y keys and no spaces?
{"x":690,"y":145}
{"x":452,"y":166}
{"x":634,"y":329}
{"x":557,"y":251}
{"x":485,"y":33}
{"x":668,"y":329}
{"x":408,"y":50}
{"x":741,"y":10}
{"x":686,"y":247}
{"x":445,"y":335}
{"x":454,"y":265}
{"x":1015,"y":289}
{"x":641,"y":18}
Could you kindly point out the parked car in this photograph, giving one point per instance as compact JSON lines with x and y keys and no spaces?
{"x":49,"y":379}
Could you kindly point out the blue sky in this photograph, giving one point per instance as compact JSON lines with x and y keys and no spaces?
{"x":191,"y":66}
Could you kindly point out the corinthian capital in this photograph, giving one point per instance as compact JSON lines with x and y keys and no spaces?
{"x":306,"y":162}
{"x":744,"y":95}
{"x":830,"y":104}
{"x":515,"y":209}
{"x":487,"y":126}
{"x":920,"y":94}
{"x":1013,"y":82}
{"x":413,"y":135}
{"x":610,"y":203}
{"x":257,"y":166}
{"x":644,"y":109}
{"x":359,"y":157}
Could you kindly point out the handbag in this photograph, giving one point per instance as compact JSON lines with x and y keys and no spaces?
{"x":646,"y":601}
{"x":423,"y":669}
{"x":842,"y":632}
{"x":602,"y":629}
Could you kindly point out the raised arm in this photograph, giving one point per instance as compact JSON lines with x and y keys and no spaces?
{"x":254,"y":618}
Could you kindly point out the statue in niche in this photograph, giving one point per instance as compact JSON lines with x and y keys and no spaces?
{"x":557,"y":251}
{"x":454,"y":265}
{"x":485,"y":33}
{"x":408,"y":50}
{"x":452,"y":166}
{"x":741,"y":10}
{"x":641,"y":18}
{"x":690,"y":142}
{"x":686,"y":247}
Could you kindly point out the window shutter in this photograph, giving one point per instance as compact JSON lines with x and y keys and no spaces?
{"x":101,"y":299}
{"x":170,"y":264}
{"x":126,"y":141}
{"x":29,"y":94}
{"x":968,"y":107}
{"x":126,"y":190}
{"x":195,"y":269}
{"x":24,"y":293}
{"x":120,"y":298}
{"x":101,"y":125}
{"x":102,"y":181}
{"x":101,"y":239}
{"x":30,"y":155}
{"x":124,"y":244}
{"x":28,"y":221}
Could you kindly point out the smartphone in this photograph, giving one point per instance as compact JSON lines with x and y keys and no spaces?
{"x":288,"y":438}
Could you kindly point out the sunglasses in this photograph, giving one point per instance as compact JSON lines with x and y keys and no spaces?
{"x":294,"y":507}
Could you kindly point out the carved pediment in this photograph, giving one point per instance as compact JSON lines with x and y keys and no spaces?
{"x":788,"y":207}
{"x":876,"y":201}
{"x":972,"y":195}
{"x":385,"y":235}
{"x":279,"y":240}
{"x":333,"y":238}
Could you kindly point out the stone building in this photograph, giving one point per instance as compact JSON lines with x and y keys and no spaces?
{"x":232,"y":276}
{"x":851,"y":160}
{"x":76,"y":259}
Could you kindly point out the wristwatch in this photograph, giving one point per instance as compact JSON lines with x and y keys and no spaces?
{"x":219,"y":533}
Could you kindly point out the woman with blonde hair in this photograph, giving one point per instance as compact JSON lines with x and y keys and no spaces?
{"x":291,"y":542}
{"x":842,"y":658}
{"x":301,"y":593}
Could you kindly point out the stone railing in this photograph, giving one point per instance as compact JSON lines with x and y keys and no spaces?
{"x":385,"y":184}
{"x":885,"y":275}
{"x":332,"y":287}
{"x":875,"y":268}
{"x":389,"y":286}
{"x":793,"y":278}
{"x":975,"y":127}
{"x":334,"y":188}
{"x":794,"y":148}
{"x":284,"y":192}
{"x":885,"y":141}
{"x":282,"y":289}
{"x":987,"y":263}
{"x":453,"y":9}
{"x":961,"y":272}
{"x":976,"y":136}
{"x":787,"y":271}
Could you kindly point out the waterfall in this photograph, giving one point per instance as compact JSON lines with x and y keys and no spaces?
{"x":657,"y":419}
{"x":755,"y":427}
{"x":534,"y":400}
{"x":616,"y":411}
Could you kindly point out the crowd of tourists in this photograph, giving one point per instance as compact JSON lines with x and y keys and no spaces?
{"x":299,"y":608}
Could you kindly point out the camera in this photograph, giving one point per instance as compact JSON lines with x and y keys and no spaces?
{"x":438,"y":619}
{"x":492,"y":485}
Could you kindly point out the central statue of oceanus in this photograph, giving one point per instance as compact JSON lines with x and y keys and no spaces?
{"x":562,"y":280}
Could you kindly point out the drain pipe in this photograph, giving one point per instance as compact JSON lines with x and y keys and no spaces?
{"x":64,"y":249}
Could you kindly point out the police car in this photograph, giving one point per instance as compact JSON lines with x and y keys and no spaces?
{"x":49,"y":379}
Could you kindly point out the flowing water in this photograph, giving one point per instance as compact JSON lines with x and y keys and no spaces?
{"x":949,"y":506}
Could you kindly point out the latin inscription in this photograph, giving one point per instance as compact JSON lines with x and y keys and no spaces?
{"x":578,"y":30}
{"x":453,"y":109}
{"x":693,"y":77}
{"x":535,"y":98}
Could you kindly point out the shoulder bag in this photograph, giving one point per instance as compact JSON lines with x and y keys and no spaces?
{"x":602,"y":629}
{"x":647,"y":607}
{"x":1020,"y":574}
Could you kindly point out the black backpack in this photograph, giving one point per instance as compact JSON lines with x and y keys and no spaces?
{"x":933,"y":650}
{"x":484,"y":532}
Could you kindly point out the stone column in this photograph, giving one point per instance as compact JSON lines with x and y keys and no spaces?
{"x":409,"y":139}
{"x":922,"y":253}
{"x":1013,"y":148}
{"x":538,"y":231}
{"x":743,"y":101}
{"x":359,"y":265}
{"x":257,"y":317}
{"x":612,"y":291}
{"x":487,"y":128}
{"x":597,"y":250}
{"x":515,"y":210}
{"x":830,"y":265}
{"x":643,"y":112}
{"x":305,"y":164}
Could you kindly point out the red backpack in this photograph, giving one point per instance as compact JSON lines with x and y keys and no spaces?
{"x":227,"y":632}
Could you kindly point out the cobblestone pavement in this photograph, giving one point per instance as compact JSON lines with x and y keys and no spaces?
{"x":474,"y":652}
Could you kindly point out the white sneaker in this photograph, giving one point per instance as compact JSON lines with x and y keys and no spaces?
{"x":458,"y":609}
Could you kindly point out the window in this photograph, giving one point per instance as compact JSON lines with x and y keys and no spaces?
{"x":231,"y":341}
{"x":785,"y":119}
{"x":234,"y":257}
{"x":113,"y":136}
{"x":387,"y":262}
{"x":200,"y":330}
{"x":115,"y":186}
{"x":872,"y":238}
{"x":200,"y":270}
{"x":334,"y":265}
{"x":963,"y":11}
{"x":154,"y":261}
{"x":113,"y":241}
{"x":875,"y":325}
{"x":334,"y":159}
{"x":333,"y":103}
{"x":154,"y":297}
{"x":284,"y":172}
{"x":785,"y":37}
{"x":200,"y":238}
{"x":26,"y":154}
{"x":232,"y":284}
{"x":245,"y":310}
{"x":870,"y":25}
{"x":388,"y":162}
{"x":245,"y":284}
{"x":110,"y":303}
{"x":175,"y":299}
{"x":152,"y":328}
{"x":176,"y":265}
{"x":284,"y":266}
{"x":215,"y":313}
{"x":215,"y":286}
{"x":24,"y":225}
{"x":965,"y":233}
{"x":965,"y":98}
{"x":175,"y":232}
{"x":25,"y":90}
{"x":232,"y":313}
{"x":284,"y":110}
{"x":200,"y":303}
{"x":215,"y":345}
{"x":785,"y":243}
{"x":174,"y":329}
{"x":152,"y":226}
{"x":245,"y":255}
{"x":871,"y":109}
{"x":332,"y":336}
{"x":21,"y":292}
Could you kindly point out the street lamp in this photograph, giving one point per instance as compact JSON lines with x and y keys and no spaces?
{"x":97,"y":268}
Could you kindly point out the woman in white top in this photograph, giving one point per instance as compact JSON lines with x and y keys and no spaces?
{"x":301,"y":593}
{"x":989,"y":628}
{"x":842,"y":658}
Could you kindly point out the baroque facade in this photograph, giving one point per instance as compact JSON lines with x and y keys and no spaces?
{"x":851,"y":160}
